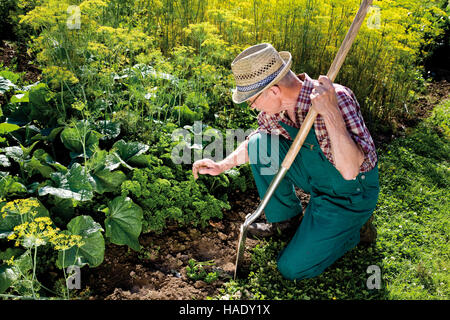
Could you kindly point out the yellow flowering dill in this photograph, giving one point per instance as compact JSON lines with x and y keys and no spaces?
{"x":10,"y":262}
{"x":64,"y":241}
{"x":59,"y":74}
{"x":32,"y":232}
{"x":39,"y":230}
{"x":20,"y":206}
{"x":12,"y":236}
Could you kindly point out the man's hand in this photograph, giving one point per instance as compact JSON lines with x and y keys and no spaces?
{"x":347,"y":155}
{"x":323,"y":96}
{"x":206,"y":166}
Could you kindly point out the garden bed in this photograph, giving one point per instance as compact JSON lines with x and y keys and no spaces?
{"x":159,"y":270}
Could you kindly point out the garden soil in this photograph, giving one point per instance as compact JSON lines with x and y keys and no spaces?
{"x":158,"y":272}
{"x":11,"y":54}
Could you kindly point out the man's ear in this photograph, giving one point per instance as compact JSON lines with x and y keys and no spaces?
{"x":276,"y":90}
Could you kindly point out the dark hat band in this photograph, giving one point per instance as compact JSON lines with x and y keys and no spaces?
{"x":260,"y":84}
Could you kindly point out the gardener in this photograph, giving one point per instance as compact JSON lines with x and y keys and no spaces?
{"x":337,"y":164}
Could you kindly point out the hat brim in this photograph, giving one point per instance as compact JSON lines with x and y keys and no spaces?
{"x":240,"y":97}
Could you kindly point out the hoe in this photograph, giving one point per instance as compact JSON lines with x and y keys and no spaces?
{"x":302,"y":133}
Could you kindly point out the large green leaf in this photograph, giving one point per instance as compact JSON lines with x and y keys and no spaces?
{"x":102,"y":160}
{"x":25,"y":134}
{"x":40,"y":101}
{"x":63,"y":209}
{"x":31,"y":103}
{"x":186,"y":114}
{"x":20,"y":97}
{"x":9,"y":185}
{"x":114,"y":160}
{"x":107,"y":181}
{"x":39,"y":163}
{"x":19,"y":154}
{"x":101,"y":167}
{"x":7,"y":276}
{"x":124,"y":222}
{"x":47,"y":134}
{"x":7,"y":127}
{"x":4,"y":161}
{"x":75,"y":184}
{"x":92,"y":252}
{"x":98,"y":161}
{"x":143,"y":160}
{"x":128,"y":150}
{"x":10,"y":75}
{"x":109,"y":129}
{"x":14,"y":153}
{"x":73,"y":139}
{"x":5,"y":85}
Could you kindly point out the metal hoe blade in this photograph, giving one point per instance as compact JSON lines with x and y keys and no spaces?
{"x":250,"y":218}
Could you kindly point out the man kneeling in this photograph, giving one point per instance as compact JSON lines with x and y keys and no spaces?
{"x":337,"y":164}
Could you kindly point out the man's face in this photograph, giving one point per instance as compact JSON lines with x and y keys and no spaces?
{"x":266,"y":101}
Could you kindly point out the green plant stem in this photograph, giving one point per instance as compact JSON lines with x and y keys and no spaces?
{"x":62,"y":101}
{"x":34,"y":272}
{"x":15,"y":296}
{"x":65,"y":277}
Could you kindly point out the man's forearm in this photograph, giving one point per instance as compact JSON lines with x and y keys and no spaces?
{"x":236,"y":158}
{"x":348,"y":157}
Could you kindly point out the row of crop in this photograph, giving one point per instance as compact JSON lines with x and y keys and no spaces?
{"x":91,"y":144}
{"x":88,"y":183}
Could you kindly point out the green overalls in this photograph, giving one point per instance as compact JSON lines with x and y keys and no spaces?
{"x":336,"y":211}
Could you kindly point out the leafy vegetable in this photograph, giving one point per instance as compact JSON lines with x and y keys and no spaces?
{"x":92,"y":252}
{"x":164,"y":198}
{"x":80,"y":139}
{"x":108,"y":129}
{"x":124,"y":222}
{"x":6,"y":128}
{"x":5,"y":85}
{"x":75,"y":183}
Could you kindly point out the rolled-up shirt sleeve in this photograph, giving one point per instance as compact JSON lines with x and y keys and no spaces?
{"x":351,"y":112}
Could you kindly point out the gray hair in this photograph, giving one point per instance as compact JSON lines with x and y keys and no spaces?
{"x":289,"y":80}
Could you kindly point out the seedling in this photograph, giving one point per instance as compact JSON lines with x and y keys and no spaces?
{"x":195,"y":271}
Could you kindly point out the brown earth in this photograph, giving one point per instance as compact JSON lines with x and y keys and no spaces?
{"x":159,"y":271}
{"x":12,"y":54}
{"x":436,"y":92}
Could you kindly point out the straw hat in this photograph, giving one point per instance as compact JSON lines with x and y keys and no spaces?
{"x":257,"y":68}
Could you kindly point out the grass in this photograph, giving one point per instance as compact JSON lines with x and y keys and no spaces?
{"x":412,"y":220}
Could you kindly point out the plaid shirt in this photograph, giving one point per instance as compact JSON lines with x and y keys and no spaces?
{"x":350,"y":111}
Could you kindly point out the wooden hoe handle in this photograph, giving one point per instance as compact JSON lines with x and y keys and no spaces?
{"x":332,"y":73}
